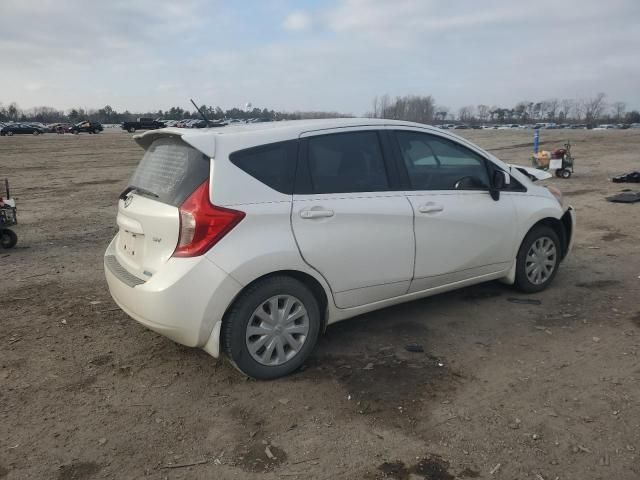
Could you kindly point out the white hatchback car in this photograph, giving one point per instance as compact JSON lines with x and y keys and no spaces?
{"x":251,"y":239}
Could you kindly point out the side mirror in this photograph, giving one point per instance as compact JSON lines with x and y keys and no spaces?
{"x":500,"y":180}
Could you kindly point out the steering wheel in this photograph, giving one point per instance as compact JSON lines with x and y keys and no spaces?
{"x":465,"y":183}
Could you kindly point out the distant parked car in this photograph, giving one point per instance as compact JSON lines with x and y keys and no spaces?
{"x":142,"y":124}
{"x":21,"y":129}
{"x":59,"y":128}
{"x":461,"y":127}
{"x":86,"y":127}
{"x":605,"y":126}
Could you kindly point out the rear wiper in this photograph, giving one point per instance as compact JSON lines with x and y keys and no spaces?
{"x":143,"y":191}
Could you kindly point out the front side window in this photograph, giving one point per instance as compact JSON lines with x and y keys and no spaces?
{"x":347,"y":162}
{"x":435,"y":163}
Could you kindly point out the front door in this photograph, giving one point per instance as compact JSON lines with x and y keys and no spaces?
{"x":461,"y":232}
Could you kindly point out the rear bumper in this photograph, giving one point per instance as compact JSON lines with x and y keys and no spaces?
{"x":183,"y":301}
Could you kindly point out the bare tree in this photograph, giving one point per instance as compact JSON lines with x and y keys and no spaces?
{"x":619,"y":109}
{"x":551,"y":107}
{"x":567,"y":107}
{"x":465,"y":114}
{"x":483,"y":112}
{"x":593,"y":108}
{"x":411,"y":107}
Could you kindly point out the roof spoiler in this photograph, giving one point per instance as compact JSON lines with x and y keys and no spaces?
{"x":202,"y":141}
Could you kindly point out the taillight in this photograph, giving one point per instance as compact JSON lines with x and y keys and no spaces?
{"x":202,"y":224}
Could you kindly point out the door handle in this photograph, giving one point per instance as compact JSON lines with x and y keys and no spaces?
{"x":430,"y":208}
{"x":316,"y":213}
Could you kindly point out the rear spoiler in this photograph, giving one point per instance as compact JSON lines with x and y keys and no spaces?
{"x":204,"y":141}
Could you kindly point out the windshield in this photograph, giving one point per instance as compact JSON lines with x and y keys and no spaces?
{"x":170,"y":171}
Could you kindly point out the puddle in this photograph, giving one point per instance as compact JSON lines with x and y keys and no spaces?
{"x":254,"y":457}
{"x":431,"y":467}
{"x":101,"y":360}
{"x":393,"y":386}
{"x":608,"y":237}
{"x":78,"y":471}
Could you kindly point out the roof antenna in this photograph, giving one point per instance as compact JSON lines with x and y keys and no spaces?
{"x":200,"y":112}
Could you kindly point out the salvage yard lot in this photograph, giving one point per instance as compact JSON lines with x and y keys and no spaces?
{"x":501,"y":390}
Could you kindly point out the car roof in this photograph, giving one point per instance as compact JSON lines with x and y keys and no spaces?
{"x":294,"y":128}
{"x":252,"y":134}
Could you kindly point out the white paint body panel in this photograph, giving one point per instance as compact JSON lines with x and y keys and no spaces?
{"x":467,"y":235}
{"x":376,"y":250}
{"x":365,"y":250}
{"x":148,"y":234}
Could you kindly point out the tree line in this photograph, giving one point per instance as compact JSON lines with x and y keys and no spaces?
{"x":107,"y":114}
{"x":415,"y":108}
{"x":423,"y":109}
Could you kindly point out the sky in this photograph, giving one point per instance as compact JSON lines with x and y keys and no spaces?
{"x":333,"y":55}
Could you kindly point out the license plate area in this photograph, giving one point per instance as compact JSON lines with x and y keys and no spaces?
{"x":132,"y":245}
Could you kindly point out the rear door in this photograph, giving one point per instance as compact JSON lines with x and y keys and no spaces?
{"x":461,"y":232}
{"x":148,"y":215}
{"x":350,"y":221}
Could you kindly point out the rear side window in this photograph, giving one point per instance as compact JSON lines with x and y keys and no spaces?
{"x":347,"y":162}
{"x":170,"y":171}
{"x":273,"y":164}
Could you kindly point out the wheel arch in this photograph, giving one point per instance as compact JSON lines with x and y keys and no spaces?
{"x":562,"y":228}
{"x":308,"y":280}
{"x":214,"y":345}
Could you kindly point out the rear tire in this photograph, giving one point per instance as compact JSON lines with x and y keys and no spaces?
{"x":272,"y":328}
{"x":132,"y":130}
{"x":8,"y":238}
{"x":10,"y":133}
{"x":36,"y":133}
{"x":566,"y":173}
{"x":538,"y":259}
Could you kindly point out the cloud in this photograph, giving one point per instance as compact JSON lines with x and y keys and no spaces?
{"x":158,"y":53}
{"x":297,"y":21}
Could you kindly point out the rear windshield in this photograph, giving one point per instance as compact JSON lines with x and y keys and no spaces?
{"x":170,"y":171}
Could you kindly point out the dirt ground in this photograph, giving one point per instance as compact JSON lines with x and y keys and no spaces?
{"x":502,"y":390}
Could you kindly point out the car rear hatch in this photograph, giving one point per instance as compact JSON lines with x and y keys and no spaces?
{"x":148,"y":210}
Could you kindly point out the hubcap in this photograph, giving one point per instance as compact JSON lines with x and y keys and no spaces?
{"x":277,"y":330}
{"x":541,"y":260}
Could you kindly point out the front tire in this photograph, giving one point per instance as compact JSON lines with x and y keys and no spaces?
{"x":566,"y":173}
{"x":272,"y":328}
{"x":132,"y":130}
{"x":538,"y":259}
{"x":8,"y":238}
